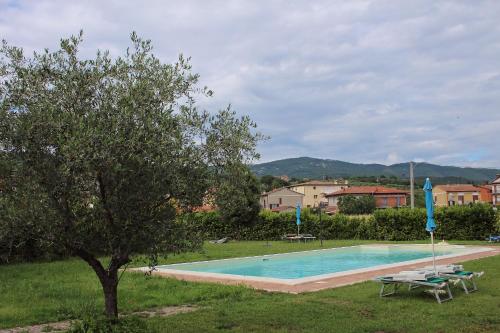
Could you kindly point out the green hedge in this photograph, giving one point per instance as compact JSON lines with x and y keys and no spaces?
{"x":458,"y":222}
{"x":466,"y":222}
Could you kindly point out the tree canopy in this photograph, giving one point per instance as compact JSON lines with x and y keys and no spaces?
{"x":238,"y":196}
{"x":111,"y":148}
{"x":269,"y":183}
{"x":349,"y":204}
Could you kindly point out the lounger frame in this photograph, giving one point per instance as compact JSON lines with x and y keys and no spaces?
{"x":413,"y":284}
{"x":463,"y":281}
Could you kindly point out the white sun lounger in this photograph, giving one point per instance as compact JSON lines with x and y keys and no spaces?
{"x":416,"y":275}
{"x":219,"y":241}
{"x":437,"y":285}
{"x":457,"y":273}
{"x":452,"y":268}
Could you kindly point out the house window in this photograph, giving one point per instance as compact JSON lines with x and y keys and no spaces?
{"x":398,"y":201}
{"x":314,"y":187}
{"x":281,"y":201}
{"x":475,"y":198}
{"x":460,"y":199}
{"x":384,"y":202}
{"x":315,"y":196}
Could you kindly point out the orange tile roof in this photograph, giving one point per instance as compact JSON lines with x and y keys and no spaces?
{"x":458,"y":188}
{"x":374,"y":190}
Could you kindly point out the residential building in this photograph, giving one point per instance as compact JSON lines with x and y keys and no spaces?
{"x":281,"y":199}
{"x":485,"y":194}
{"x":208,"y":204}
{"x":495,"y":191}
{"x":385,"y":197}
{"x":314,"y":191}
{"x":284,"y":178}
{"x":460,"y":194}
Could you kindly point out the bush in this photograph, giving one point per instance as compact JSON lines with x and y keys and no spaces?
{"x":497,"y":228}
{"x":352,"y":205}
{"x":475,"y":221}
{"x":459,"y":222}
{"x":400,"y":224}
{"x":272,"y":226}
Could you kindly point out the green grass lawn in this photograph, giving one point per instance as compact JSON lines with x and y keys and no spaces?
{"x":45,"y":292}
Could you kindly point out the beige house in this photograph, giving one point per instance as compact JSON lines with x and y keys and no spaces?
{"x":314,"y":191}
{"x":460,"y":194}
{"x":495,"y":191}
{"x":281,"y":199}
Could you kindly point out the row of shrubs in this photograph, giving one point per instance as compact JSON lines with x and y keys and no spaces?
{"x":459,"y":222}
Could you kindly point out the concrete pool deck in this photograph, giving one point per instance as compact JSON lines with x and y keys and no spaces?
{"x":327,"y":281}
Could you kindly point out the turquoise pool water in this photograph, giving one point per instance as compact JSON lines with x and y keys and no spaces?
{"x":310,"y":263}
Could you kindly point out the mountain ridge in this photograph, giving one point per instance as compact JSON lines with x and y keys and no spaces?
{"x":316,"y":168}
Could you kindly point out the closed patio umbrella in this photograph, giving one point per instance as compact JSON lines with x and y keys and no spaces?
{"x":297,"y":212}
{"x":431,"y":224}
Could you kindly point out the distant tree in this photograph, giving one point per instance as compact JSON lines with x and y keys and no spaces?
{"x":269,"y":183}
{"x":111,"y":148}
{"x":352,"y":205}
{"x":237,"y":196}
{"x":266,"y":182}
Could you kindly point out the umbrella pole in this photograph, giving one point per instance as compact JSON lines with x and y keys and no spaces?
{"x":298,"y":229}
{"x":433,"y":254}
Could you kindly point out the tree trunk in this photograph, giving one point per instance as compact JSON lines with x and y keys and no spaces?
{"x":108,"y":278}
{"x":110,"y":288}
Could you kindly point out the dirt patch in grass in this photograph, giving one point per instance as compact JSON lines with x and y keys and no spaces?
{"x":42,"y":328}
{"x":65,"y":325}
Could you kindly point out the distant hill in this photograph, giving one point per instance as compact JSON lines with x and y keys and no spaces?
{"x":314,"y":168}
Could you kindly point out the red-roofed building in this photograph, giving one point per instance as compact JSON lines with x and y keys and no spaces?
{"x":495,"y":191}
{"x":385,"y":197}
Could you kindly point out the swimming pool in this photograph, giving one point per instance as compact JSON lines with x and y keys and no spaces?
{"x":306,"y":266}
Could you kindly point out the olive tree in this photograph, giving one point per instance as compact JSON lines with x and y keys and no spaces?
{"x":115,"y":147}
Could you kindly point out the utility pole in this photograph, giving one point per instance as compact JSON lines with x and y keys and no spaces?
{"x":412,"y":192}
{"x":320,"y":225}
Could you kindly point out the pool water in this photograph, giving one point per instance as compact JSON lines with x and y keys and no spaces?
{"x":310,"y":263}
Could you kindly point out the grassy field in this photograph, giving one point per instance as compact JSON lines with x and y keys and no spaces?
{"x":45,"y":292}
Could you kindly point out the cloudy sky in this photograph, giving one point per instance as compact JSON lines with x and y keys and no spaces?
{"x":360,"y":81}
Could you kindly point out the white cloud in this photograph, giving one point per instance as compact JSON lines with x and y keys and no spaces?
{"x":364,"y":81}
